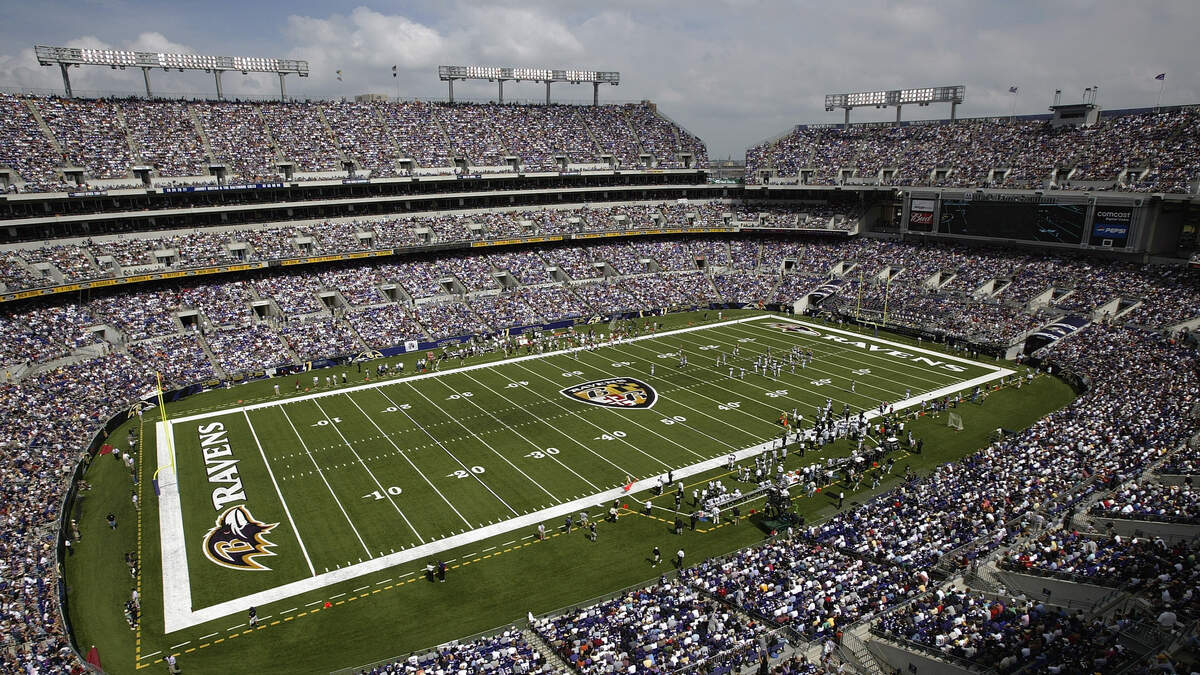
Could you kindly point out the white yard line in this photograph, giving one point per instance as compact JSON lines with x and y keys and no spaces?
{"x":325,"y":481}
{"x":625,"y":419}
{"x":812,"y":370}
{"x":717,"y":383}
{"x":818,"y":346}
{"x":563,"y":406}
{"x":382,"y":489}
{"x":753,"y":378}
{"x":454,"y":457}
{"x":177,"y":602}
{"x":282,"y":501}
{"x":461,"y":369}
{"x":698,"y":412}
{"x":531,"y":444}
{"x":901,"y":347}
{"x":554,"y":427}
{"x":489,"y":447}
{"x":400,"y":452}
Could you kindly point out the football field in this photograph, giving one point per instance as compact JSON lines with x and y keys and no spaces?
{"x":269,"y":500}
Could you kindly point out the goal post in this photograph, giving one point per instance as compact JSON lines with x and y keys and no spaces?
{"x":954,"y":421}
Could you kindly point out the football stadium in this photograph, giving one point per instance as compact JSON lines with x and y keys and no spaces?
{"x":312,"y":368}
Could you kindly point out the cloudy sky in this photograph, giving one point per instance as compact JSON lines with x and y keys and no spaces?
{"x":733,"y":71}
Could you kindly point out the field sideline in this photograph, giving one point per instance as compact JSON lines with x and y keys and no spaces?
{"x":362,"y":478}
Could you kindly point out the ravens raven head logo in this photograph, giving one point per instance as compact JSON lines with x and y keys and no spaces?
{"x":614,"y":392}
{"x":237,"y":539}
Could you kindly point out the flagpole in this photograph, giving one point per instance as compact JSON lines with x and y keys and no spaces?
{"x":1158,"y":101}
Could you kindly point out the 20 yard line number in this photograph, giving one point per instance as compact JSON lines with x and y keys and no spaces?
{"x":466,"y":473}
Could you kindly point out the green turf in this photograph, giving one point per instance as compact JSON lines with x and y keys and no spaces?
{"x":536,"y":577}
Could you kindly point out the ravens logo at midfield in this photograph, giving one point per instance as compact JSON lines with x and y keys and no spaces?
{"x":614,"y":392}
{"x":238,"y":539}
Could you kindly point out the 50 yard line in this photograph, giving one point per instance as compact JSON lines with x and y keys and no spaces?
{"x":623,"y":471}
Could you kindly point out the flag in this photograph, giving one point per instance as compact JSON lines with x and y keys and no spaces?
{"x":339,"y":74}
{"x":93,"y":657}
{"x":1013,"y":90}
{"x":393,"y":71}
{"x":1160,"y":76}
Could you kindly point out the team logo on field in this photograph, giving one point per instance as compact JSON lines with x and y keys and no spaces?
{"x":614,"y":392}
{"x":794,"y":328}
{"x":238,"y":539}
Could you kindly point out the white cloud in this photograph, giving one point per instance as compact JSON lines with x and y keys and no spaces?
{"x":517,"y":37}
{"x":365,"y":37}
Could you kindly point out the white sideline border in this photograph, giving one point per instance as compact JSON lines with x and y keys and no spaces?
{"x":178,"y":613}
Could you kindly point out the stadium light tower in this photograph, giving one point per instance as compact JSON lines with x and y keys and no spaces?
{"x":449,"y":74}
{"x":65,"y":57}
{"x":899,"y":98}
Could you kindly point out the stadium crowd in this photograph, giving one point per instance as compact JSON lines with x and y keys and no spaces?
{"x":448,"y":295}
{"x":179,"y":141}
{"x":1143,"y":151}
{"x":815,"y":589}
{"x":1148,"y":566}
{"x":505,"y":653}
{"x":1008,"y":635}
{"x":853,"y":566}
{"x":658,"y":629}
{"x":1151,"y":501}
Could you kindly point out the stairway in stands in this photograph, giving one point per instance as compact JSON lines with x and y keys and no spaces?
{"x":556,"y":663}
